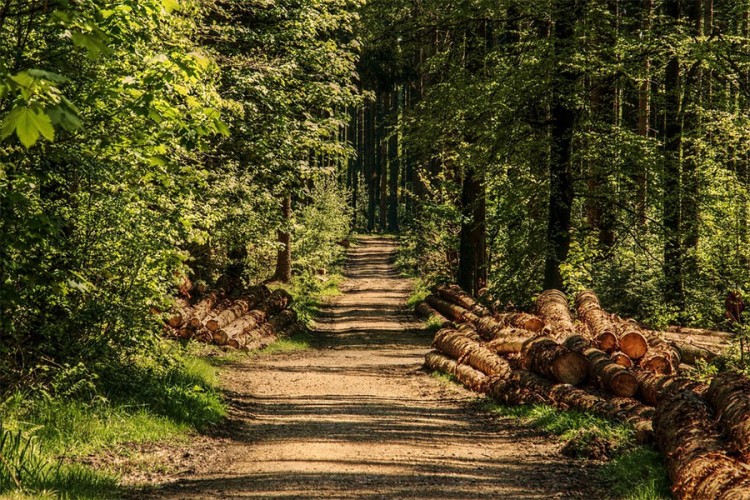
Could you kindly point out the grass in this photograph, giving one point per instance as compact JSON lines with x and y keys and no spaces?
{"x":445,"y":378}
{"x":137,"y":402}
{"x":418,"y":294}
{"x":295,"y":343}
{"x":632,"y":472}
{"x":311,"y":292}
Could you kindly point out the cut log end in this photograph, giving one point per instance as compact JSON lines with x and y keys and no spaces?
{"x":532,"y":323}
{"x":623,"y":384}
{"x":657,"y":364}
{"x":570,"y":368}
{"x":633,"y":344}
{"x":607,"y":342}
{"x":622,"y":359}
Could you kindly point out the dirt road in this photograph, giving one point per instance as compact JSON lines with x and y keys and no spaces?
{"x":356,"y":417}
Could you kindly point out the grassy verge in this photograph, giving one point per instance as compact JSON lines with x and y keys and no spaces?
{"x":631,"y":471}
{"x":44,"y":434}
{"x":311,"y":292}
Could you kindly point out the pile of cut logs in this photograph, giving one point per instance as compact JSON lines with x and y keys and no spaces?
{"x":608,"y":366}
{"x":249,"y":321}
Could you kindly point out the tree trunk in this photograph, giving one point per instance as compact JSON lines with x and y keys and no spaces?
{"x":671,"y":219}
{"x":393,"y":163}
{"x":563,"y":116}
{"x":644,"y":113}
{"x":284,"y":256}
{"x":472,"y":263}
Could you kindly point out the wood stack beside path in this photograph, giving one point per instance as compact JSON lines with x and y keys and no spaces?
{"x":608,"y":366}
{"x":251,"y":320}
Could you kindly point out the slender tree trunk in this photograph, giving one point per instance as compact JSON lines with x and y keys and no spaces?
{"x":644,"y":112}
{"x":393,"y":164}
{"x":284,"y":256}
{"x":690,"y":179}
{"x":371,"y":172}
{"x":563,"y":116}
{"x":671,"y":219}
{"x":472,"y":265}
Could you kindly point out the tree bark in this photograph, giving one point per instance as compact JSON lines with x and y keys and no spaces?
{"x":472,"y":262}
{"x":697,"y":460}
{"x":564,"y":117}
{"x":284,"y":256}
{"x":393,"y":163}
{"x":674,"y":294}
{"x":729,"y":395}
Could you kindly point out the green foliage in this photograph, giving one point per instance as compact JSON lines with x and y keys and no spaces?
{"x":26,"y":470}
{"x":145,"y":145}
{"x":296,"y":343}
{"x":633,"y":472}
{"x":88,"y":413}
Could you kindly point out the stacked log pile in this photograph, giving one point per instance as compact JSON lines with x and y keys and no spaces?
{"x":252,"y":320}
{"x":611,"y":367}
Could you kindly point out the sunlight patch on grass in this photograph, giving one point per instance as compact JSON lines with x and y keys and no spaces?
{"x":632,"y":472}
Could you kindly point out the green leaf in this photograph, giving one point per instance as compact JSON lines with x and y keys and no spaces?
{"x":92,"y":43}
{"x":170,"y":5}
{"x":29,"y":124}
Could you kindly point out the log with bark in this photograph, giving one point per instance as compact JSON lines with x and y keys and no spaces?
{"x":455,"y":295}
{"x":276,"y":302}
{"x":603,"y":370}
{"x":428,"y":313}
{"x":201,"y":310}
{"x":653,"y":387}
{"x":521,"y":320}
{"x":729,"y":395}
{"x":507,"y":340}
{"x":468,"y":376}
{"x":698,"y":463}
{"x":225,"y":316}
{"x":552,"y":308}
{"x":546,"y":357}
{"x":246,"y":323}
{"x":177,"y":315}
{"x":451,"y":311}
{"x":701,"y":332}
{"x":283,"y":320}
{"x":524,"y":387}
{"x":465,"y":348}
{"x":602,"y":329}
{"x":691,"y":350}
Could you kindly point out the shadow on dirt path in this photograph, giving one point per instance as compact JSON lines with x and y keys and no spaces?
{"x":355,"y":417}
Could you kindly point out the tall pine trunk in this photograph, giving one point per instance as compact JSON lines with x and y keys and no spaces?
{"x":674,"y":293}
{"x":563,"y":117}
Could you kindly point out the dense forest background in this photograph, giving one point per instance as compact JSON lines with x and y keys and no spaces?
{"x":562,"y":144}
{"x":154,"y":148}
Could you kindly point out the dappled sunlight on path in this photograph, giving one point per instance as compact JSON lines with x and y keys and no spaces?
{"x":357,"y":417}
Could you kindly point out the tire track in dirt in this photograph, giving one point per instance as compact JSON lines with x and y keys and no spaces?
{"x":355,"y":417}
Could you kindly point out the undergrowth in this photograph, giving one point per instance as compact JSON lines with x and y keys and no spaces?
{"x":631,"y":471}
{"x":45,"y":430}
{"x":311,"y":292}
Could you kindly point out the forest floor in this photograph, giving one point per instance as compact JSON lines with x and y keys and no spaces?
{"x":355,"y":416}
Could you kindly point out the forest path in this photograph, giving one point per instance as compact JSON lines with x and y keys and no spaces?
{"x":357,"y":418}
